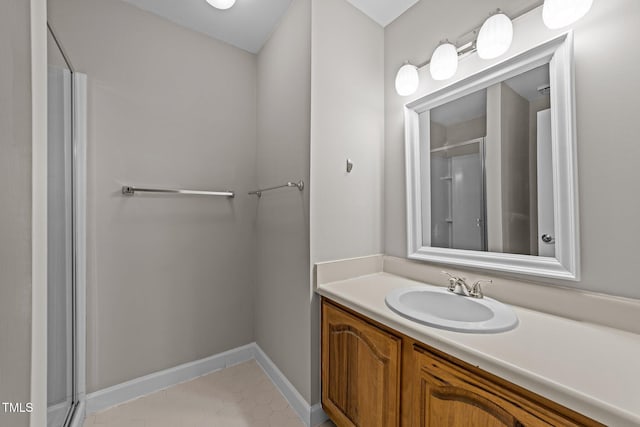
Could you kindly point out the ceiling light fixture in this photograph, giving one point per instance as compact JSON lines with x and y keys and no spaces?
{"x":560,"y":13}
{"x":495,"y":37}
{"x":222,"y":4}
{"x":407,"y":80}
{"x":444,"y":61}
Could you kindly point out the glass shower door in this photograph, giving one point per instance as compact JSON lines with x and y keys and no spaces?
{"x":60,"y":313}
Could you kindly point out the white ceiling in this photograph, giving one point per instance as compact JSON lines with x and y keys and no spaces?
{"x":246,"y":25}
{"x":249,"y":23}
{"x":384,"y":12}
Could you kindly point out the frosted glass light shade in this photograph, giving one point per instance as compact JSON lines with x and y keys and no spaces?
{"x":407,"y":80}
{"x":560,"y":13}
{"x":444,"y":62}
{"x":495,"y":36}
{"x":221,"y":4}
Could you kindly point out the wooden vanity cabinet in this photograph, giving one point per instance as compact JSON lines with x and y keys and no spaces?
{"x":360,"y":371}
{"x":446,"y":394}
{"x":374,"y":376}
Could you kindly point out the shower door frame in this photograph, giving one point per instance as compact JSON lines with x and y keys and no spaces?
{"x":79,"y":198}
{"x":77,"y":410}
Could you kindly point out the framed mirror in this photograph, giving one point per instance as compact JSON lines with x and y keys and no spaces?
{"x":491,"y":168}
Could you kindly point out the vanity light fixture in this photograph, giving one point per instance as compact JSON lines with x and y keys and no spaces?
{"x":560,"y":13}
{"x":495,"y":37}
{"x":444,"y":61}
{"x":407,"y":80}
{"x":221,"y":4}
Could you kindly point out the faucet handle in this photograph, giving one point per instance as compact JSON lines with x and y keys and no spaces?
{"x":476,"y":290}
{"x":451,"y":276}
{"x":455,"y":281}
{"x":452,"y":279}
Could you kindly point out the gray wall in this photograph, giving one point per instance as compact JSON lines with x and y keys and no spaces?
{"x":323,"y":64}
{"x":608,"y":152}
{"x":515,"y":171}
{"x":507,"y":171}
{"x":282,"y":216}
{"x":465,"y":131}
{"x":347,"y":121}
{"x":170,"y":278}
{"x":493,"y":169}
{"x":15,"y":207}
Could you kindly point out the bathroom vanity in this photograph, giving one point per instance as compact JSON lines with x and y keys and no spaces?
{"x":382,"y":369}
{"x":376,"y":376}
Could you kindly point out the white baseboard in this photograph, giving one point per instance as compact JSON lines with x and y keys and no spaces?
{"x":121,"y":393}
{"x":310,"y":415}
{"x":317,"y":416}
{"x":151,"y":383}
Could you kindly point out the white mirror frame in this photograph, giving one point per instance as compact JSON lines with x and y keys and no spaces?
{"x":558,"y":53}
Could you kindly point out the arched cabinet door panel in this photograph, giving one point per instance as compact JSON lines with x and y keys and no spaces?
{"x":445,"y":394}
{"x":360,"y":371}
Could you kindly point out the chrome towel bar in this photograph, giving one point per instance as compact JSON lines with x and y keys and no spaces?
{"x":299,"y":185}
{"x":128,"y":190}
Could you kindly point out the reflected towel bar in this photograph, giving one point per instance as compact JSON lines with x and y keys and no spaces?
{"x":299,"y":185}
{"x":130,"y":191}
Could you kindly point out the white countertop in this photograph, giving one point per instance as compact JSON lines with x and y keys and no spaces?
{"x":592,"y":369}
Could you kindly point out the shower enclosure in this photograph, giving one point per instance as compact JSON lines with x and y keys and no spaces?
{"x":458,"y":183}
{"x":453,"y":159}
{"x":65,"y":212}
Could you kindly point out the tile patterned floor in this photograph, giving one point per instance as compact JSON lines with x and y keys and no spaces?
{"x":239,"y":396}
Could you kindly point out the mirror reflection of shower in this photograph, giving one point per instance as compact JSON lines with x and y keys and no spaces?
{"x":457,"y":140}
{"x":457,"y":178}
{"x":486,"y":161}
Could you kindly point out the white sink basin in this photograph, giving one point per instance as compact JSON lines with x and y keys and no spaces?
{"x":438,"y":307}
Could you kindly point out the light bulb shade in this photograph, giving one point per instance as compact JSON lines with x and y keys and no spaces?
{"x":560,"y":13}
{"x":444,"y":62}
{"x":221,"y":4}
{"x":407,"y":80}
{"x":495,"y":36}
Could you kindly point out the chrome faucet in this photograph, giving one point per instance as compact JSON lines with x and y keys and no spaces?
{"x":458,"y":285}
